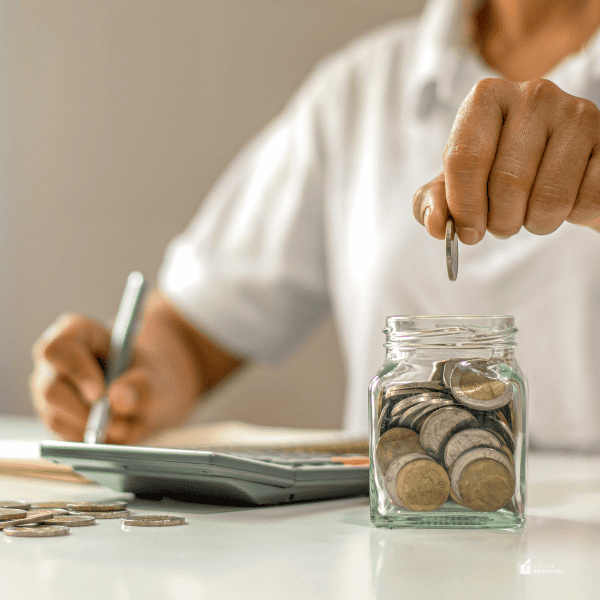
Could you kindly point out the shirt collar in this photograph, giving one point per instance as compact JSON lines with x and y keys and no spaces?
{"x":444,"y":55}
{"x":447,"y":65}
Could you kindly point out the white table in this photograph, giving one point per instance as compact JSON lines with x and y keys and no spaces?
{"x":311,"y":551}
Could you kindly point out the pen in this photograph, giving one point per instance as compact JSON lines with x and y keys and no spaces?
{"x":119,"y":354}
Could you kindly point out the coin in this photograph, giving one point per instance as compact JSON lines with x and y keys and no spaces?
{"x":53,"y":511}
{"x":24,"y":520}
{"x":466,"y":439}
{"x":14,"y":504}
{"x":447,"y":370}
{"x":441,"y":425}
{"x":416,"y":414}
{"x":418,"y":399}
{"x":473,"y":385}
{"x":488,"y":421}
{"x":422,"y":485}
{"x":483,"y":479}
{"x":50,"y":504}
{"x":41,"y":531}
{"x":111,"y":514}
{"x":97,"y":506}
{"x":410,"y":388}
{"x":451,"y":250}
{"x":153,"y":520}
{"x":393,"y":443}
{"x":6,"y":514}
{"x":392,"y":474}
{"x":71,"y":520}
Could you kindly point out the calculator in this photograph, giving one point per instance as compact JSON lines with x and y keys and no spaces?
{"x":222,"y":474}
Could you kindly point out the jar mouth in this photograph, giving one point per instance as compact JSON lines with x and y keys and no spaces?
{"x":467,"y":331}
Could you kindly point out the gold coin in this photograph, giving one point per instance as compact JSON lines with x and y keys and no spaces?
{"x":486,"y":485}
{"x":6,"y":514}
{"x":394,"y":443}
{"x":40,"y":531}
{"x":423,"y":485}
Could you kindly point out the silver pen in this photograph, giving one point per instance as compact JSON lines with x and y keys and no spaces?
{"x":119,"y":355}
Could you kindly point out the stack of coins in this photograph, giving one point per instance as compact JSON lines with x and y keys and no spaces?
{"x":51,"y":519}
{"x":452,"y":436}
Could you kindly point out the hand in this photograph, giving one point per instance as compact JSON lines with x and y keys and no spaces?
{"x":68,"y":377}
{"x":519,"y":155}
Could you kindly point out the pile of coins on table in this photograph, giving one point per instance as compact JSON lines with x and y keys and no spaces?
{"x":450,"y":437}
{"x":51,"y":519}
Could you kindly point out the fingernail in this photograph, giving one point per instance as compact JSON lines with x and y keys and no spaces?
{"x":468,"y":235}
{"x":91,"y":389}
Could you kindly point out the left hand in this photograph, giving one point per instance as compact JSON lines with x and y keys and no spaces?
{"x":519,"y":155}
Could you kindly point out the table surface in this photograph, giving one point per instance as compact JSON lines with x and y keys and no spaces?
{"x":316,"y":550}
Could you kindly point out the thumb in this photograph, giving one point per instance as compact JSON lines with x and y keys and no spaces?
{"x":129,"y":392}
{"x":430,"y":207}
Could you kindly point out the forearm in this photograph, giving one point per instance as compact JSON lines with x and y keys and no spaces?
{"x":195,"y":360}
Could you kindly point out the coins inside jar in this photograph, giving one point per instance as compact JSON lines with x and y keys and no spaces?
{"x":483,"y":479}
{"x":449,"y":426}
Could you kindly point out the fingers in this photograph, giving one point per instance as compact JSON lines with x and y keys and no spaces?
{"x":519,"y":154}
{"x":469,"y":156}
{"x":71,"y":345}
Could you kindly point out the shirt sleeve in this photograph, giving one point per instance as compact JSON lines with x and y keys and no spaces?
{"x":249,"y":271}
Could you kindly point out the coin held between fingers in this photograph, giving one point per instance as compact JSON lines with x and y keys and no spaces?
{"x":451,"y":250}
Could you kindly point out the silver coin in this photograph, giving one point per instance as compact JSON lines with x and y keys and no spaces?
{"x":465,"y":440}
{"x":71,"y":520}
{"x":392,"y":474}
{"x":97,"y":506}
{"x":487,"y":392}
{"x":153,"y":521}
{"x":41,"y":531}
{"x":440,"y":426}
{"x":111,"y":514}
{"x":472,"y":455}
{"x":412,"y":415}
{"x":14,"y":504}
{"x":53,"y":511}
{"x":447,"y":370}
{"x":6,"y":514}
{"x":437,"y":372}
{"x":413,"y":387}
{"x":451,"y":250}
{"x":491,"y":422}
{"x":402,"y":405}
{"x":25,"y":520}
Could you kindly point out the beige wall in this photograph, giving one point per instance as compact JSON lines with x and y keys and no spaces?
{"x":117,"y":116}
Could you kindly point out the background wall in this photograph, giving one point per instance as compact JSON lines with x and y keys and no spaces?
{"x":117,"y":117}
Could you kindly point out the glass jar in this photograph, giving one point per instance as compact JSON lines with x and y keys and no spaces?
{"x":447,"y":417}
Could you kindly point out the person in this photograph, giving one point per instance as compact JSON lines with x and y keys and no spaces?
{"x":489,"y":111}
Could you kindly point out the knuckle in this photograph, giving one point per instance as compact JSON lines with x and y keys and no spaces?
{"x":509,"y":176}
{"x":582,"y":114}
{"x":462,"y":158}
{"x":538,"y":93}
{"x":485,"y":88}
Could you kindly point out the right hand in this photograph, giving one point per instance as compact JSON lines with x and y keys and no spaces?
{"x":68,"y":378}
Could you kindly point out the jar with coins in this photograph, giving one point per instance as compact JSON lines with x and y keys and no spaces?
{"x":447,"y":414}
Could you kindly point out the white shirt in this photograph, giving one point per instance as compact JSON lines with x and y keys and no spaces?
{"x":316,"y":214}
